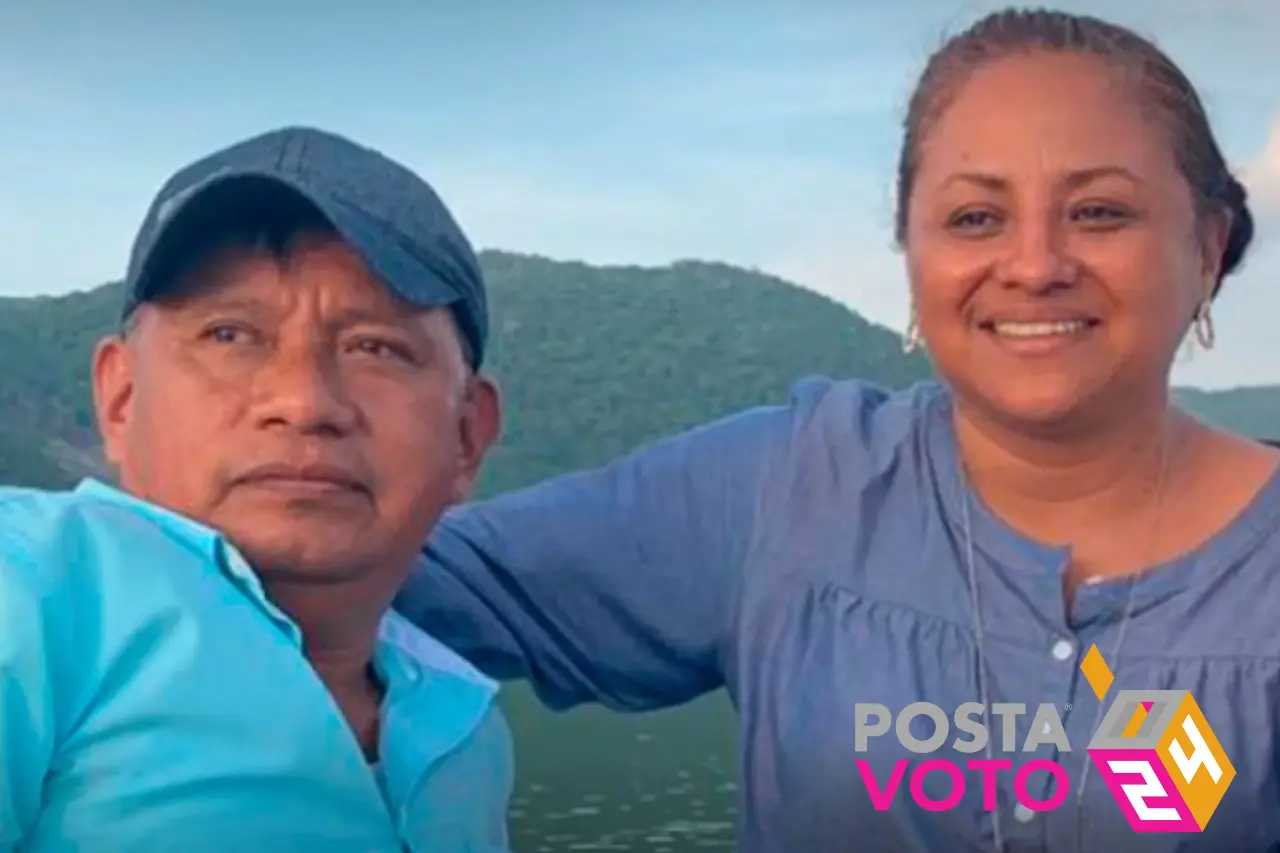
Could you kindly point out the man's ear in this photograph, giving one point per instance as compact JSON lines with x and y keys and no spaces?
{"x":112,"y":394}
{"x":480,"y":425}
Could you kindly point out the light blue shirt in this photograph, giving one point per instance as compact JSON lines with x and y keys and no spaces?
{"x":812,"y":556}
{"x":152,"y":699}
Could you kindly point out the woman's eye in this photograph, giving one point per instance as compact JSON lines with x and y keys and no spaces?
{"x":1101,"y":214}
{"x":974,"y":220}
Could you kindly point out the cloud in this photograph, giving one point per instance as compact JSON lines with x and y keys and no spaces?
{"x":1245,"y":349}
{"x":1262,"y":175}
{"x":822,"y":222}
{"x":26,"y":90}
{"x":760,"y":94}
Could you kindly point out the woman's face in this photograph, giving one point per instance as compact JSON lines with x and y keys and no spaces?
{"x":1054,"y":251}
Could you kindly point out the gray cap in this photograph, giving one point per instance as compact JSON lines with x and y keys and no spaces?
{"x":385,"y":213}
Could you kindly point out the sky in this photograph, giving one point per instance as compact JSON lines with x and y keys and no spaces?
{"x":755,"y":132}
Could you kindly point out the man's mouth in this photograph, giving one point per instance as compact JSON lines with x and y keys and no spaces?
{"x":302,"y":480}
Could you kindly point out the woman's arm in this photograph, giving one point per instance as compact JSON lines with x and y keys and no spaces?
{"x":614,"y":585}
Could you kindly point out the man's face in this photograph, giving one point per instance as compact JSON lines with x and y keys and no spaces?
{"x":299,"y":409}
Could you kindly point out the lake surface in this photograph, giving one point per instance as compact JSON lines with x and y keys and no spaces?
{"x":594,"y":780}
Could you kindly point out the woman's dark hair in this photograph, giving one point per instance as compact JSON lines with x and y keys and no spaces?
{"x":1163,"y":84}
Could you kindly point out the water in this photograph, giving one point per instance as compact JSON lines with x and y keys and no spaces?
{"x":593,"y":780}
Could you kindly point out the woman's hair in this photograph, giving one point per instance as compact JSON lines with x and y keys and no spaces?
{"x":1162,"y":84}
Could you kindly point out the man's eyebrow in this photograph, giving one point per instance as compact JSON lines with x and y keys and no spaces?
{"x":203,"y":303}
{"x":352,"y":315}
{"x":403,"y":317}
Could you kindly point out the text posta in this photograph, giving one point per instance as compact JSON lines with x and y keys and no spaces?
{"x":874,"y":720}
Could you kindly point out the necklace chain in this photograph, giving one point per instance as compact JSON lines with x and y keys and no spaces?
{"x":980,"y":637}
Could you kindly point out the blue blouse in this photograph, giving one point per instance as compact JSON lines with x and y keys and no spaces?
{"x":813,"y":556}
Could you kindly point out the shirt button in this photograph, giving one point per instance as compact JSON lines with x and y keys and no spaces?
{"x":1062,"y":650}
{"x":1022,"y":814}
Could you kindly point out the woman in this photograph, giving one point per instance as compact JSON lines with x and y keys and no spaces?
{"x":1067,"y":219}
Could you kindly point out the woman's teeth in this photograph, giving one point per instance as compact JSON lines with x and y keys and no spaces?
{"x":1038,"y":330}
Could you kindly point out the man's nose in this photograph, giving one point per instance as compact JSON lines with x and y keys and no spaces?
{"x":301,"y":388}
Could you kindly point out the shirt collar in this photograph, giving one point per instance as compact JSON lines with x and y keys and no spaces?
{"x":435,"y":700}
{"x":212,"y":544}
{"x":404,"y":656}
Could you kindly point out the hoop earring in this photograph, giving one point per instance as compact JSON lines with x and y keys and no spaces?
{"x":1203,"y":326}
{"x":911,"y":337}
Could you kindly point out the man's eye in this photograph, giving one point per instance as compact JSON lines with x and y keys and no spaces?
{"x":226,"y":333}
{"x":381,"y":349}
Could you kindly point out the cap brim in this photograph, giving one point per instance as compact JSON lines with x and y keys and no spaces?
{"x":375,"y":243}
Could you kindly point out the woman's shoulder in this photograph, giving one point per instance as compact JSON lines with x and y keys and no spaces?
{"x":828,"y":437}
{"x":865,"y":409}
{"x":862,"y":423}
{"x":824,"y":422}
{"x":830,"y":441}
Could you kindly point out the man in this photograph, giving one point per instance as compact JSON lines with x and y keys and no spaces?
{"x":203,"y":660}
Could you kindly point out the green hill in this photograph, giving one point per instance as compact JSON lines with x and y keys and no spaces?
{"x":1251,"y":411}
{"x":593,"y":361}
